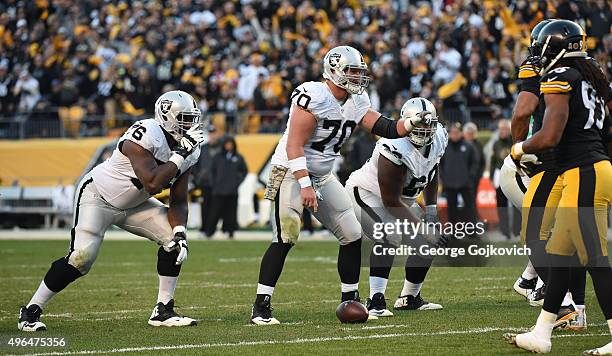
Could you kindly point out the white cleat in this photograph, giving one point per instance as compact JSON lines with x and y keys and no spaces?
{"x":604,"y":350}
{"x":529,"y":341}
{"x":29,"y":319}
{"x":384,"y":313}
{"x":164,"y":315}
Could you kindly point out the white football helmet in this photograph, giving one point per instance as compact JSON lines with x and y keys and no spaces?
{"x":423,"y":134}
{"x":345,"y":67}
{"x":176,"y":112}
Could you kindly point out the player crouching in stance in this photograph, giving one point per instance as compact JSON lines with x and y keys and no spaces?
{"x":321,"y":118}
{"x":152,"y":155}
{"x":574,"y":91}
{"x":385,"y":189}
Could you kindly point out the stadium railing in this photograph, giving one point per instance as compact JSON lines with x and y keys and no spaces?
{"x":48,"y":124}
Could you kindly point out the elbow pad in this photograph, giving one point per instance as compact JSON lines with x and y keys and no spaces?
{"x":385,"y":127}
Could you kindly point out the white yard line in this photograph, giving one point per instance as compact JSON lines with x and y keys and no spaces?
{"x":285,"y":342}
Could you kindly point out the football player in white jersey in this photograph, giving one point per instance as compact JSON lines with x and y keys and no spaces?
{"x":321,"y":118}
{"x":153,"y":154}
{"x":385,"y":189}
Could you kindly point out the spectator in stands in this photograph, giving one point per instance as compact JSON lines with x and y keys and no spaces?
{"x":458,"y":171}
{"x":26,"y":91}
{"x":218,"y":49}
{"x":228,"y":170}
{"x":505,"y":211}
{"x":61,"y":198}
{"x":470,"y":133}
{"x":6,"y":94}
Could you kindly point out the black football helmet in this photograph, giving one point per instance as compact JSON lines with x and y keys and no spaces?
{"x":559,"y":39}
{"x":533,"y":37}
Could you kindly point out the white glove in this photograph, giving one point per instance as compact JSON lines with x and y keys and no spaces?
{"x":526,"y":164}
{"x":193,"y":138}
{"x":179,"y":242}
{"x":422,"y":119}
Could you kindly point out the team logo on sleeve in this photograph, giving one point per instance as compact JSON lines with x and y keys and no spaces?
{"x":165,"y":106}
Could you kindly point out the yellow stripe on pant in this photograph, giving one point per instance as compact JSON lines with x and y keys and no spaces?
{"x":539,"y":206}
{"x":582,"y":216}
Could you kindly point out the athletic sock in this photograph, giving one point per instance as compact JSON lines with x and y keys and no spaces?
{"x":544,"y":325}
{"x":349,"y":263}
{"x":264,"y":289}
{"x":42,"y":296}
{"x":377,"y":285}
{"x":167,"y":286}
{"x":529,"y":272}
{"x":578,"y":283}
{"x":610,"y":325}
{"x":410,"y":288}
{"x":272,"y":263}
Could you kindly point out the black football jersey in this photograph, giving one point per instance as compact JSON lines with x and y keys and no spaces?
{"x":529,"y":81}
{"x":582,"y":142}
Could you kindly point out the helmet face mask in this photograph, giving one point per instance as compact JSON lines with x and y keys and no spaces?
{"x":176,"y":112}
{"x":421,"y":135}
{"x":344,"y":66}
{"x":560,"y":39}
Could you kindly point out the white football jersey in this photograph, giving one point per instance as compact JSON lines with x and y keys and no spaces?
{"x":115,"y":178}
{"x":335,"y":123}
{"x":421,"y":167}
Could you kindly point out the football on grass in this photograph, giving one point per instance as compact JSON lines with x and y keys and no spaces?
{"x":352,"y":312}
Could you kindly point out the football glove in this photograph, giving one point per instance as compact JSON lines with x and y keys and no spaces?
{"x":192,"y":138}
{"x":524,"y":163}
{"x":421,"y":119}
{"x":179,"y":243}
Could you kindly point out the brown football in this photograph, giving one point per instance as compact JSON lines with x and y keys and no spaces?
{"x":352,"y":312}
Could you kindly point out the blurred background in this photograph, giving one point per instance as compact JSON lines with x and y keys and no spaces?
{"x":75,"y":74}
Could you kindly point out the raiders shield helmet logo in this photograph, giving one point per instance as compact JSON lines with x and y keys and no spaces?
{"x":334,"y":58}
{"x":165,"y":106}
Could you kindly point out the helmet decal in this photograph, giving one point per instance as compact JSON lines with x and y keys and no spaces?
{"x":165,"y":106}
{"x":334,"y":58}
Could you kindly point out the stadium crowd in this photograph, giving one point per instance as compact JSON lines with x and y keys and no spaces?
{"x":69,"y":60}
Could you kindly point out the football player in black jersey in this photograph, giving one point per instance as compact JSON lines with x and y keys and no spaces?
{"x":575,"y":92}
{"x":541,"y":193}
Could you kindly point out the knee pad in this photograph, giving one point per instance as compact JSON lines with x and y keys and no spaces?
{"x":166,"y":263}
{"x":60,"y":275}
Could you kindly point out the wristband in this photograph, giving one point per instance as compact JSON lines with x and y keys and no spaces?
{"x":431,"y":209}
{"x":305,"y":182}
{"x":178,"y":229}
{"x":177,"y":159}
{"x":297,"y":164}
{"x":517,"y":150}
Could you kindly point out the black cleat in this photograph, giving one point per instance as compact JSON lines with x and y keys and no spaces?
{"x":536,"y":298}
{"x":261,"y":313}
{"x":164,"y":315}
{"x":29,"y":319}
{"x":525,"y":286}
{"x":377,"y":305}
{"x":408,"y":302}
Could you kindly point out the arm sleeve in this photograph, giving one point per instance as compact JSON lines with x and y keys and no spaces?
{"x":385,"y":127}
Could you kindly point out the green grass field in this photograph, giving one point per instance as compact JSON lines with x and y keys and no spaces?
{"x":107,"y":310}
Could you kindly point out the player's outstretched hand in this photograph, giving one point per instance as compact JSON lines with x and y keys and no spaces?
{"x":309,"y":198}
{"x":421,"y":119}
{"x":193,"y":138}
{"x":179,"y":243}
